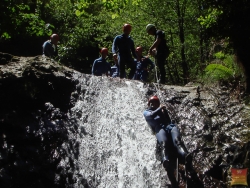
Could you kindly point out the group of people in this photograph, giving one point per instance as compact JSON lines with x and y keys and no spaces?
{"x":141,"y":65}
{"x":125,"y":55}
{"x":156,"y":115}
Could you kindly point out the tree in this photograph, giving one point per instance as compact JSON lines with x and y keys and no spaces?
{"x":232,"y":22}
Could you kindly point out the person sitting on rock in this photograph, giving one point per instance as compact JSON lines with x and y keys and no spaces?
{"x":168,"y":136}
{"x":50,"y":46}
{"x":142,"y":66}
{"x":100,"y":65}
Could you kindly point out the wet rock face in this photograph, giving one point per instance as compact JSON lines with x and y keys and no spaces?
{"x":31,"y":128}
{"x":60,"y":128}
{"x":214,"y":127}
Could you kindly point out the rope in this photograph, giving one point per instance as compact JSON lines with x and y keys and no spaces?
{"x":157,"y":87}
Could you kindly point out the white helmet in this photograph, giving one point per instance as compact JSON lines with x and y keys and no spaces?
{"x":149,"y":26}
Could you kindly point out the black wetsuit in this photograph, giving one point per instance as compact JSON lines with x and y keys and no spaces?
{"x":162,"y":54}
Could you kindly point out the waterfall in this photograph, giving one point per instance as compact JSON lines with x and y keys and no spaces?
{"x":60,"y":128}
{"x":116,"y":148}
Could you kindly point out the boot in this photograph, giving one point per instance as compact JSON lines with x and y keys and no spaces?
{"x":179,"y":145}
{"x":170,"y":171}
{"x":181,"y":149}
{"x":164,"y":155}
{"x":186,"y":157}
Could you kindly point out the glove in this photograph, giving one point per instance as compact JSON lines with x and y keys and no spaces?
{"x":170,"y":126}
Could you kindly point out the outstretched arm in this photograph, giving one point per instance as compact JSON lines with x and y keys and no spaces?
{"x":114,"y":46}
{"x":155,"y":45}
{"x":168,"y":119}
{"x":93,"y":68}
{"x":115,"y":49}
{"x":152,"y":113}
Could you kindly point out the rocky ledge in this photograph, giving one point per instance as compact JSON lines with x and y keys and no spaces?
{"x":37,"y":95}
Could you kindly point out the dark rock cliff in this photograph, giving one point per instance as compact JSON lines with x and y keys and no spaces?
{"x":61,"y":128}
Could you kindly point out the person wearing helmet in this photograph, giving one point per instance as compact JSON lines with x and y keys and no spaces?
{"x":50,"y":46}
{"x":100,"y":65}
{"x":142,"y":66}
{"x":168,"y":137}
{"x":159,"y":49}
{"x":123,"y":48}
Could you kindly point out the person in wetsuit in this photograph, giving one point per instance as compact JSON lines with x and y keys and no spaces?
{"x":168,"y":136}
{"x":100,"y":65}
{"x":159,"y":49}
{"x":50,"y":46}
{"x":123,"y":48}
{"x":143,"y":66}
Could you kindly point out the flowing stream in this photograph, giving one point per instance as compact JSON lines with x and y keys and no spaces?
{"x":115,"y":145}
{"x":116,"y":148}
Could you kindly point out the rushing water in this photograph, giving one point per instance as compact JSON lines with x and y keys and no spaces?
{"x":116,"y":148}
{"x":92,"y":132}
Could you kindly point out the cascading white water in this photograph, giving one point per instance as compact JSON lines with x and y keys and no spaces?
{"x":111,"y":145}
{"x":116,"y":148}
{"x":91,"y":131}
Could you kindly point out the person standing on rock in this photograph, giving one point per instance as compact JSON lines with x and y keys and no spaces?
{"x":100,"y":65}
{"x":168,"y":136}
{"x":50,"y":46}
{"x":122,"y":48}
{"x":142,"y":66}
{"x":159,"y":49}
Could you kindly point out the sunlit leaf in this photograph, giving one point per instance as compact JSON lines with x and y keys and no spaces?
{"x":78,"y":13}
{"x":114,"y":16}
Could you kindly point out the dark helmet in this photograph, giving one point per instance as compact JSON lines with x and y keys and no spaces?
{"x":138,"y":49}
{"x":104,"y":51}
{"x":154,"y":98}
{"x":149,"y":26}
{"x":126,"y":27}
{"x":54,"y":36}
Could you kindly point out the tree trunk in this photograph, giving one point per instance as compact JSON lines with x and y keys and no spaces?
{"x":243,"y":58}
{"x":182,"y":39}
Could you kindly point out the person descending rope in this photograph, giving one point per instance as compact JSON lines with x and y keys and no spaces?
{"x":142,"y":66}
{"x":168,"y":136}
{"x":100,"y":65}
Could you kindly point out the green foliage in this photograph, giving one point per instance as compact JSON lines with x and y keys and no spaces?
{"x":224,"y":68}
{"x":85,"y":26}
{"x":5,"y":35}
{"x":211,"y":17}
{"x":34,"y":26}
{"x":217,"y":72}
{"x":220,"y":55}
{"x":21,"y":19}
